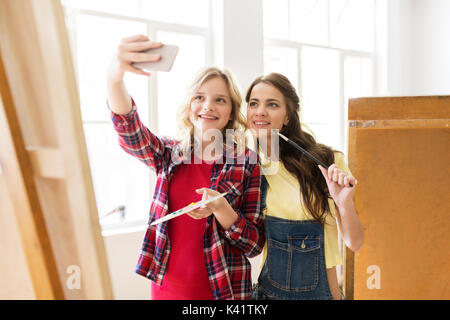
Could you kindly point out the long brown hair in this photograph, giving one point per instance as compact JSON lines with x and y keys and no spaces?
{"x":313,"y":187}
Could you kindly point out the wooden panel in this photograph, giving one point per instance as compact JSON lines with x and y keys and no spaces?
{"x":18,"y":175}
{"x":402,"y":199}
{"x":384,"y":108}
{"x":13,"y":262}
{"x":39,"y":69}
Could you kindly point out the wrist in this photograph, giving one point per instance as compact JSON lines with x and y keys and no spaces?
{"x":114,"y":79}
{"x":226,"y":215}
{"x":115,"y":74}
{"x":346,"y":206}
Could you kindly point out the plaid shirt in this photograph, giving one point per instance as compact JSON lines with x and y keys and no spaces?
{"x":226,"y":251}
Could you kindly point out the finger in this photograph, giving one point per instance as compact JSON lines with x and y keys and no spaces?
{"x":139,"y":57}
{"x":134,"y":38}
{"x":324,"y":172}
{"x":200,"y":191}
{"x":204,"y":212}
{"x":139,"y":46}
{"x":196,"y":214}
{"x":200,"y":213}
{"x":347,"y":181}
{"x":335,"y":174}
{"x":331,"y":170}
{"x":193,"y":215}
{"x":341,"y":178}
{"x":132,"y":69}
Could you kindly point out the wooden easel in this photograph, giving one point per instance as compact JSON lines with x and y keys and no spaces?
{"x":399,"y":149}
{"x":45,"y":178}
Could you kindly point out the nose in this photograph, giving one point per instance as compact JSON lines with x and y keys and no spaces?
{"x":261,"y":111}
{"x":207,"y":105}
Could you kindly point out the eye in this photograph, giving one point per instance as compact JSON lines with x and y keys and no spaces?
{"x":273,"y":105}
{"x":198,"y":98}
{"x":221,"y":100}
{"x":252,"y":104}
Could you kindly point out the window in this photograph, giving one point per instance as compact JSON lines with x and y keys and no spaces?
{"x":327,"y":49}
{"x":95,"y":29}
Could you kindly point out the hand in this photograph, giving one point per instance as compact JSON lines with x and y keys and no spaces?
{"x":338,"y":183}
{"x":209,"y":208}
{"x":128,"y":52}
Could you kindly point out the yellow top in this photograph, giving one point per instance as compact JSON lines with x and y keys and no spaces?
{"x":284,"y":201}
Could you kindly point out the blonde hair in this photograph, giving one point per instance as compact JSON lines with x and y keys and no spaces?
{"x":237,"y":120}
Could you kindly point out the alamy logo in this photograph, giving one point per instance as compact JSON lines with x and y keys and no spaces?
{"x":74,"y":280}
{"x":374,"y":281}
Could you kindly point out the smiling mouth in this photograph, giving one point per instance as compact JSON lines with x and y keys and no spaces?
{"x":261,"y":123}
{"x":206,"y":117}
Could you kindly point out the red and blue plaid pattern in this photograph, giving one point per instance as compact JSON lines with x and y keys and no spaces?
{"x":226,"y":251}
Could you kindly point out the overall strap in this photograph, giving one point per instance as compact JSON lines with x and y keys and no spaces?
{"x":264,"y":186}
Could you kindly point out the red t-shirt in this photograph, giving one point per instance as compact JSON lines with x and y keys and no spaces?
{"x":186,"y":277}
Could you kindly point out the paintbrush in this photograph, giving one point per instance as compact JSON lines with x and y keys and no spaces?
{"x":306,"y":153}
{"x":193,"y":206}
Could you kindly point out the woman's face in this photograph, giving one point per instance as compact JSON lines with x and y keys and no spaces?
{"x":211,"y":105}
{"x":266,"y":110}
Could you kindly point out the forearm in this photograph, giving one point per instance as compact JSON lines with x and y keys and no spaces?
{"x":119,"y":100}
{"x":243,"y":234}
{"x":226,"y":216}
{"x":136,"y":139}
{"x":352,"y":230}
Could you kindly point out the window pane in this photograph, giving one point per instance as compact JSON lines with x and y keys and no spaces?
{"x":118,"y":178}
{"x":309,"y":21}
{"x":352,"y":24}
{"x":97,"y":40}
{"x":320,"y":92}
{"x":129,"y":7}
{"x":192,"y":12}
{"x":282,"y":60}
{"x":276,"y":18}
{"x":172,"y":85}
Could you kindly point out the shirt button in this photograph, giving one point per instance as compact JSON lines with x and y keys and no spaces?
{"x":227,"y":233}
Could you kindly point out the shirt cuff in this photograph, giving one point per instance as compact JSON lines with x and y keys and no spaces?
{"x":123,"y":119}
{"x":234,"y":232}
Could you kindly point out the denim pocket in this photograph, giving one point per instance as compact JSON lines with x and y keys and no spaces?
{"x":294,"y":266}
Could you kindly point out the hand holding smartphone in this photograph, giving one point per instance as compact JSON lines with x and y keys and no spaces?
{"x":167,"y":52}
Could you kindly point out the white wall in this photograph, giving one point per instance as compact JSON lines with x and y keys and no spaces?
{"x":431,"y":47}
{"x":238,"y":38}
{"x":122,"y":251}
{"x":418,"y":49}
{"x":399,"y":44}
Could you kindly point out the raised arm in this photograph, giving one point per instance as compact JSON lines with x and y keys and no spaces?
{"x":338,"y":178}
{"x":134,"y":137}
{"x":119,"y":100}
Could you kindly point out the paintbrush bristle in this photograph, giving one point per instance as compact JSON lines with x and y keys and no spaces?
{"x":281,"y":135}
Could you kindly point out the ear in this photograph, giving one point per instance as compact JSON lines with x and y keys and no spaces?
{"x":286,"y":120}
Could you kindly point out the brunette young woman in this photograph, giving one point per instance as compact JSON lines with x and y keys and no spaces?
{"x":304,"y":205}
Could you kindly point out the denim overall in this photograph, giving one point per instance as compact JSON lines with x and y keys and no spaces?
{"x":295,"y":266}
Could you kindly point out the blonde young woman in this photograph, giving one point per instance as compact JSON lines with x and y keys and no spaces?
{"x":305,"y":205}
{"x":202,"y":255}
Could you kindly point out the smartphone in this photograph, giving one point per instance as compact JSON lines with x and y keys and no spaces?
{"x":168,"y":53}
